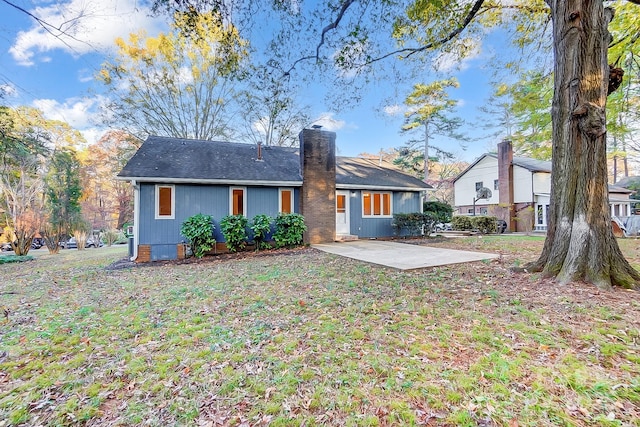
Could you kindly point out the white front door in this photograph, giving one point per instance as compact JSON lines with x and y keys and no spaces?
{"x":342,"y":213}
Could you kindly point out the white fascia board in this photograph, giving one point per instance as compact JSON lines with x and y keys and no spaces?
{"x":379,"y":188}
{"x":213,"y":181}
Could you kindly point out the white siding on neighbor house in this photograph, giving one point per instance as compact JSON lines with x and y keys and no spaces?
{"x":522,"y":185}
{"x":541,"y":183}
{"x":485,"y":171}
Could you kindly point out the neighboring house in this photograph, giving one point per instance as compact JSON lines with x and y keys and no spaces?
{"x":174,"y":179}
{"x":516,"y":183}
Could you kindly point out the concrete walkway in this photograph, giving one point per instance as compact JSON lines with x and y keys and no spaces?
{"x":402,"y":256}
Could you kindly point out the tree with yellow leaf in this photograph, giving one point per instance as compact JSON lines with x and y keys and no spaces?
{"x":178,"y":84}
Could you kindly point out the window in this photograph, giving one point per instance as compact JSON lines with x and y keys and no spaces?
{"x":376,"y":204}
{"x":479,"y":185}
{"x":238,"y":201}
{"x":165,"y":201}
{"x":286,"y":200}
{"x":495,"y":184}
{"x":539,"y":215}
{"x":341,"y":203}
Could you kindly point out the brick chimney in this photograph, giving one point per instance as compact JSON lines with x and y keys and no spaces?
{"x":317,"y":196}
{"x":505,"y":182}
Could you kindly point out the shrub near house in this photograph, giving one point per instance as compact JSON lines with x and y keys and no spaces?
{"x":198,"y":230}
{"x":483,"y":224}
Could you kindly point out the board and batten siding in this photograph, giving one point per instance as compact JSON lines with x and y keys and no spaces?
{"x":403,"y":202}
{"x":164,"y":234}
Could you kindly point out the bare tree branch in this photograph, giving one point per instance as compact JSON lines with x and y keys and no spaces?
{"x":49,"y":28}
{"x":407,"y":52}
{"x":332,"y":26}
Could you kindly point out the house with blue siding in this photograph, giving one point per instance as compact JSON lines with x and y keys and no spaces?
{"x":340,"y":197}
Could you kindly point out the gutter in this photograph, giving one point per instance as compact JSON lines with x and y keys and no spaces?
{"x":136,"y":217}
{"x":212,"y":181}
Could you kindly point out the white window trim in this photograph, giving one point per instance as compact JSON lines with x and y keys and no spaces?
{"x":390,"y":193}
{"x":173,"y":201}
{"x":244,"y":199}
{"x":280,"y":190}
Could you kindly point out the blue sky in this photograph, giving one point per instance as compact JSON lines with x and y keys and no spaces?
{"x":37,"y":69}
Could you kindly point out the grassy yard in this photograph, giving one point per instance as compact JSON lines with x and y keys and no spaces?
{"x":307,"y":338}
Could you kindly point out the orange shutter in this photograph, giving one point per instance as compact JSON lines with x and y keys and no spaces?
{"x":286,"y":201}
{"x":238,"y":201}
{"x":164,"y":201}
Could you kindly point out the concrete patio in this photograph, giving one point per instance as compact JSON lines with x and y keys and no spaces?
{"x":402,"y":256}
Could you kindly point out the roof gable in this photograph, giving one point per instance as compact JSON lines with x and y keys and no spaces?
{"x":532,"y":165}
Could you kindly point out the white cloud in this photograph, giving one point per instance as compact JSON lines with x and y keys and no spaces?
{"x":394,"y":110}
{"x":80,"y":113}
{"x":460,"y":58}
{"x":78,"y":27}
{"x":327,"y":122}
{"x":85,"y":75}
{"x":8,"y":89}
{"x":92,"y":135}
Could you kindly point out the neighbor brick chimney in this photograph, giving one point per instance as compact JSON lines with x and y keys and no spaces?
{"x":317,"y":196}
{"x":505,"y":182}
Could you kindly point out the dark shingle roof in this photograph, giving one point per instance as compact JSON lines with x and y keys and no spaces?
{"x":356,"y":172}
{"x":189,"y":160}
{"x":165,"y":159}
{"x":534,"y":165}
{"x":616,"y":188}
{"x":628,"y":181}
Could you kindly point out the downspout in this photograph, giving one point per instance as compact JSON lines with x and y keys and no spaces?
{"x":136,"y":217}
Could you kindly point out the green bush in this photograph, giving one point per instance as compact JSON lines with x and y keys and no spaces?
{"x":484,"y":224}
{"x":289,"y":229}
{"x":198,"y":230}
{"x":7,"y":259}
{"x":234,"y":230}
{"x":261,"y":227}
{"x":441,"y":211}
{"x":111,"y":236}
{"x":461,"y":223}
{"x":413,"y":223}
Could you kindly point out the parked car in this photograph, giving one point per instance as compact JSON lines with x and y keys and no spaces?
{"x":69,"y":244}
{"x":443,"y":226}
{"x":73,"y":244}
{"x":93,"y":243}
{"x":6,"y":247}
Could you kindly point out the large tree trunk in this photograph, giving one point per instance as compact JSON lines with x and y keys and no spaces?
{"x":580,"y":245}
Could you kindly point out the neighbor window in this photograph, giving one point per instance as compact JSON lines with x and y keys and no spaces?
{"x":479,"y":185}
{"x":165,"y":201}
{"x":286,"y":200}
{"x":376,"y":204}
{"x":238,"y":201}
{"x":496,"y":184}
